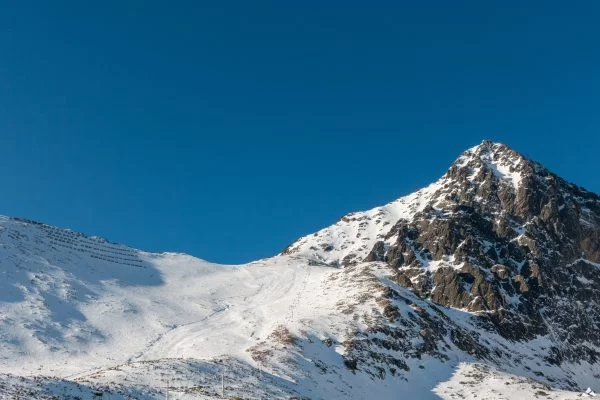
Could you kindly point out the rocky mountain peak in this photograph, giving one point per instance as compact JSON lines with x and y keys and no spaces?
{"x":494,"y":161}
{"x":498,"y":234}
{"x":489,"y":182}
{"x":492,"y":151}
{"x":497,"y":180}
{"x":489,"y":148}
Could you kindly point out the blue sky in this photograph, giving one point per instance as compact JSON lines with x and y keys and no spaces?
{"x":227,"y":130}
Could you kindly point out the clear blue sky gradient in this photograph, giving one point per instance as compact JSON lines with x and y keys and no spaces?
{"x":228,"y":130}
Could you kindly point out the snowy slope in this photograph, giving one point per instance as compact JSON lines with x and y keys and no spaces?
{"x":353,"y":236}
{"x":68,"y":307}
{"x":476,"y":381}
{"x":326,"y":319}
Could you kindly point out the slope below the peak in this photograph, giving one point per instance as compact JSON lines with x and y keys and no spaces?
{"x":352,"y":237}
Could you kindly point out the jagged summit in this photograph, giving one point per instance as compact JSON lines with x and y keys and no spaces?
{"x":494,"y":229}
{"x":491,"y":149}
{"x":504,"y":163}
{"x":499,"y":163}
{"x":490,"y":177}
{"x":494,"y":149}
{"x":487,"y":165}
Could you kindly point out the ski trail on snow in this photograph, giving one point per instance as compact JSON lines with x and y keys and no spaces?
{"x":296,"y":301}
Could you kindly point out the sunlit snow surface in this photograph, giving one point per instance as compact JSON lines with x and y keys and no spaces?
{"x":81,"y":316}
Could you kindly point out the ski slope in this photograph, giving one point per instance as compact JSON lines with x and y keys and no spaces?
{"x":71,"y":312}
{"x":83,"y":316}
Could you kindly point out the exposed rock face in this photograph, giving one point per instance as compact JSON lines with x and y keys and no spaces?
{"x":506,"y":236}
{"x":498,"y":235}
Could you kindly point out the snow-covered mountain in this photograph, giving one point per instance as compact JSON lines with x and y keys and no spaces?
{"x":484,"y":284}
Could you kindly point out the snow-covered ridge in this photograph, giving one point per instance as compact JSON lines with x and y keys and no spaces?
{"x":57,"y":238}
{"x":353,"y":236}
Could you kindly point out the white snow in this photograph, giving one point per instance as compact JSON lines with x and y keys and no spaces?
{"x":93,"y":315}
{"x":355,"y":234}
{"x":503,"y":162}
{"x":476,"y":381}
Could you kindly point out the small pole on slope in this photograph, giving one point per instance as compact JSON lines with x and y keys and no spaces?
{"x":167,"y":390}
{"x":222,"y":384}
